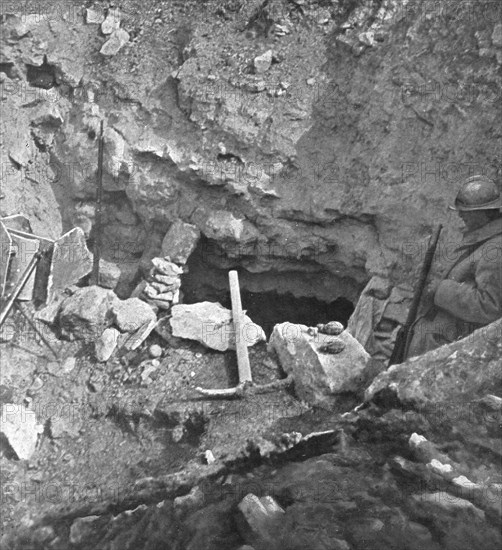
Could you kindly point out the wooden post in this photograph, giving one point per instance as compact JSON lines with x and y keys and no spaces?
{"x":240,"y":340}
{"x":97,"y":217}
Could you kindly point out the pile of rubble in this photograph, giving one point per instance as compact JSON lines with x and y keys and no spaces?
{"x":96,"y":314}
{"x":161,"y":289}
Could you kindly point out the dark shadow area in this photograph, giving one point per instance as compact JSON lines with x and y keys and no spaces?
{"x":269,"y":308}
{"x":203,"y":281}
{"x":43,"y":76}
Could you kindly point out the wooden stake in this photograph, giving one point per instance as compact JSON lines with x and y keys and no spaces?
{"x":245,"y":386}
{"x":240,"y":339}
{"x":97,"y":218}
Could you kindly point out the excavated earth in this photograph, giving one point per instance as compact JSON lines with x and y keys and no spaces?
{"x":327,"y":166}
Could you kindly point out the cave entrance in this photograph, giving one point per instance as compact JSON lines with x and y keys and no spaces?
{"x":269,"y":308}
{"x":206,"y":282}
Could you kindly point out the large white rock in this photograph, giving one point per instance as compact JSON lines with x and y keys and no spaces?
{"x":318,"y":376}
{"x":85,"y":314}
{"x":129,"y":315}
{"x":94,"y":16}
{"x":132,"y":341}
{"x":106,"y":344}
{"x":112,"y":21}
{"x":261,"y":517}
{"x":19,"y":425}
{"x":71,"y":260}
{"x":118,"y":39}
{"x":211,"y":324}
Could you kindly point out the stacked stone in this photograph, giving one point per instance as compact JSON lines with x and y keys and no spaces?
{"x":162,"y":287}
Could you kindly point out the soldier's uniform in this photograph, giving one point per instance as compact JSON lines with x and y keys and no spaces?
{"x":470,"y":294}
{"x":468,"y":297}
{"x":379,"y":313}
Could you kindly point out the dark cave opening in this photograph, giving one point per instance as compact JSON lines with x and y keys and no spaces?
{"x":269,"y":308}
{"x":203,"y":281}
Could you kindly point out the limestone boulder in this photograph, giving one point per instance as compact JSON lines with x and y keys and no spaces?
{"x":319,"y":376}
{"x":106,"y":344}
{"x":132,"y":340}
{"x":118,"y":39}
{"x":164,"y":267}
{"x":85,"y":314}
{"x":109,"y":274}
{"x":180,"y":241}
{"x":95,"y":17}
{"x":18,"y":424}
{"x":258,"y":520}
{"x":222,"y":225}
{"x":129,"y":315}
{"x":49,"y":313}
{"x":112,"y":21}
{"x":456,"y":373}
{"x":211,"y":324}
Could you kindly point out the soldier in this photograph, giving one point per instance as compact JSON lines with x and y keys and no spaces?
{"x":469,"y":295}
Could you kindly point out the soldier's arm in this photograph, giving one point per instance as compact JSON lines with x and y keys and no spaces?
{"x":479,"y":301}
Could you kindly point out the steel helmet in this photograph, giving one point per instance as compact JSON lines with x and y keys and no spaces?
{"x":477,"y":193}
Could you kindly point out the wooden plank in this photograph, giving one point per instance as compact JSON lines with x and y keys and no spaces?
{"x":5,"y":257}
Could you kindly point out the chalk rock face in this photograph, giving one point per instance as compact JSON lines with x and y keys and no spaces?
{"x":84,"y":314}
{"x":19,"y":425}
{"x":319,"y":376}
{"x":211,"y":324}
{"x":131,"y":314}
{"x":459,"y":372}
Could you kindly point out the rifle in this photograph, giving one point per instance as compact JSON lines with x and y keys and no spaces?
{"x":97,"y":217}
{"x":405,"y":333}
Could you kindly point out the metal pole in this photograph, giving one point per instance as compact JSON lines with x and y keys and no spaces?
{"x":34,"y":327}
{"x":19,"y":286}
{"x":97,"y":217}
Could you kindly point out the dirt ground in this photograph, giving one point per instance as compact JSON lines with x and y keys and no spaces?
{"x":105,"y":427}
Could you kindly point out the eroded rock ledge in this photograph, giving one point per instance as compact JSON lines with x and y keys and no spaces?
{"x":324,"y":164}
